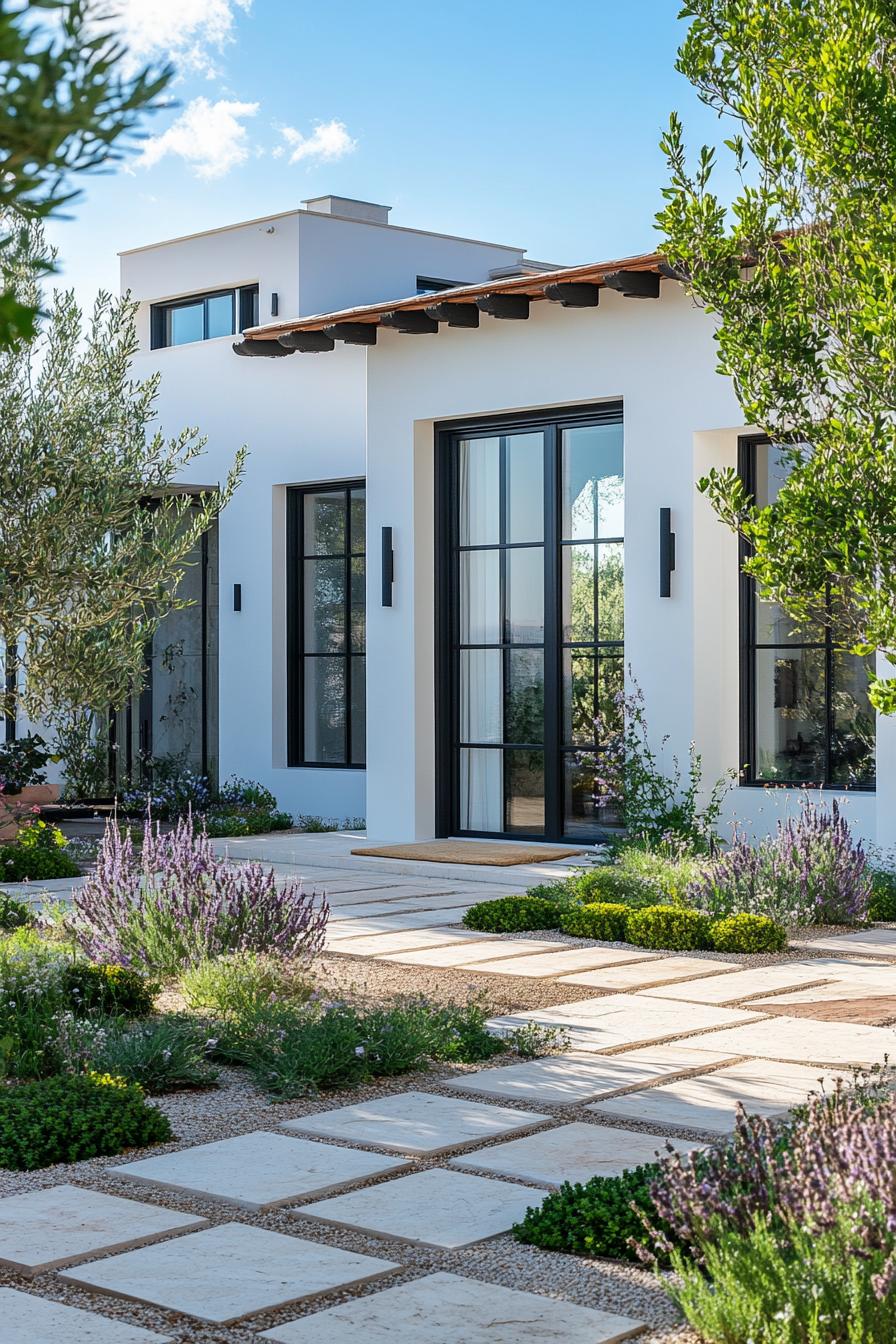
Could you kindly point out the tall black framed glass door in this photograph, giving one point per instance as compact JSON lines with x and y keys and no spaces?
{"x":530,"y":595}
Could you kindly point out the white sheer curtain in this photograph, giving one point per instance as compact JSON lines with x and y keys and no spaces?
{"x":481,"y":790}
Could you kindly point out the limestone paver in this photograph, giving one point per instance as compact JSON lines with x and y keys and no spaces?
{"x":259,"y":1170}
{"x":570,"y":1153}
{"x":627,"y":1019}
{"x":876,"y":942}
{"x":408,"y":940}
{"x":398,"y":909}
{"x":398,"y":919}
{"x":661,"y":970}
{"x":833,"y":991}
{"x":26,"y":1319}
{"x":446,"y":1209}
{"x":574,"y":1077}
{"x":710,"y":1102}
{"x":446,"y":1309}
{"x":752,"y":981}
{"x":416,"y":1122}
{"x":464,"y":956}
{"x":228,"y":1272}
{"x":45,"y":1229}
{"x":801,"y":1039}
{"x":542,"y":964}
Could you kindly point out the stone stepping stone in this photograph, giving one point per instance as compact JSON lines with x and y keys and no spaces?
{"x":742,"y":984}
{"x":438,"y":1208}
{"x":36,"y":1320}
{"x":571,"y":1078}
{"x":618,"y":1020}
{"x":799,"y":1039}
{"x":229,"y":1272}
{"x":710,"y":1103}
{"x":542,"y":964}
{"x":662,"y":970}
{"x":419,"y":1123}
{"x":46,"y":1229}
{"x":465,"y":957}
{"x":410,"y":940}
{"x":833,"y":991}
{"x":258,"y":1170}
{"x":447,"y":1309}
{"x":571,"y":1153}
{"x":869,"y":942}
{"x":877,"y":1010}
{"x":387,"y":918}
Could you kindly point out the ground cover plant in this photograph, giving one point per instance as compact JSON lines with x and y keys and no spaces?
{"x":39,"y":851}
{"x":176,"y":904}
{"x":603,"y":1216}
{"x":75,"y":1117}
{"x":244,"y":982}
{"x":236,"y":807}
{"x":168,"y":1054}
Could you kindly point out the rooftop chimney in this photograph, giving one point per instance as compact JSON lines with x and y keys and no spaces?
{"x":349,"y":208}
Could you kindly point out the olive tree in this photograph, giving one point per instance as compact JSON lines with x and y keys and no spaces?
{"x":800,"y":272}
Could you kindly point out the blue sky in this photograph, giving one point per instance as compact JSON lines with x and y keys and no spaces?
{"x":524,"y":122}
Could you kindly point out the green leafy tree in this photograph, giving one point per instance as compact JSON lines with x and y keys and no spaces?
{"x":94,"y":530}
{"x":66,"y":106}
{"x":800,"y":271}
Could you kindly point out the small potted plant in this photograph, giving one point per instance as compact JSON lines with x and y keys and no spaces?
{"x":23,"y":786}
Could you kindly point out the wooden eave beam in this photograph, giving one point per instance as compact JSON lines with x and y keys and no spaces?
{"x":411,"y":321}
{"x":260,"y":349}
{"x":307,"y":342}
{"x":454,"y":314}
{"x":574,"y":295}
{"x":352,"y":333}
{"x":507,"y":307}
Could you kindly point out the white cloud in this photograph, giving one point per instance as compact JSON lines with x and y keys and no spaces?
{"x":328,"y":141}
{"x":186,"y":32}
{"x":210,"y":137}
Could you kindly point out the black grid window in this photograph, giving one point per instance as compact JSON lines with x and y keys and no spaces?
{"x":806,"y":719}
{"x":202,"y":317}
{"x":326,"y":625}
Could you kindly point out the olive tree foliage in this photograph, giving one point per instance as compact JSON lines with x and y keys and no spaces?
{"x":94,"y":533}
{"x":800,"y":271}
{"x":66,"y":106}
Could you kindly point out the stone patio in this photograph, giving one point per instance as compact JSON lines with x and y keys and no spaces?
{"x":560,"y":961}
{"x":710,"y":1102}
{"x":655,"y":970}
{"x":46,"y":1229}
{"x":800,"y":1040}
{"x":35,"y":1320}
{"x":571,"y":1153}
{"x":258,"y":1170}
{"x":618,"y":1020}
{"x":446,"y":1309}
{"x":421,"y":1123}
{"x":229,"y":1272}
{"x":439,"y":1208}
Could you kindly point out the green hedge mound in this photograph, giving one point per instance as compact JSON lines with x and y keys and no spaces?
{"x":670,"y":928}
{"x":513,"y":914}
{"x":74,"y":1117}
{"x":601,"y":919}
{"x":748,"y":933}
{"x":596,"y":1218}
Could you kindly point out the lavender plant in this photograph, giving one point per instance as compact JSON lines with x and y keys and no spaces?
{"x":176,"y":904}
{"x":811,"y":871}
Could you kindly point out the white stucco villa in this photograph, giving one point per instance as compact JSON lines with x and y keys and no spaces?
{"x":415,"y":604}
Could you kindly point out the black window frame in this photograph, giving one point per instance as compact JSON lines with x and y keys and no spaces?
{"x":432,"y":284}
{"x":296,"y":654}
{"x":747,"y":446}
{"x":244,"y":300}
{"x":553,"y":421}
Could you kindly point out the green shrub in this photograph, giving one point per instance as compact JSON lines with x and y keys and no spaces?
{"x":167,"y":1055}
{"x":609,"y":883}
{"x":668,"y":870}
{"x":32,"y":1001}
{"x":242,"y":983}
{"x":226,"y":821}
{"x":115,"y":991}
{"x":38,"y":852}
{"x":596,"y":1218}
{"x":882,"y":905}
{"x":748,"y":933}
{"x":561,"y":892}
{"x":14,"y":914}
{"x":513,"y":914}
{"x":72,"y":1118}
{"x":673,"y":928}
{"x":602,"y":919}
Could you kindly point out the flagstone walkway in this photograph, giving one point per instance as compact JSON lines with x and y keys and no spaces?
{"x":384,"y":1213}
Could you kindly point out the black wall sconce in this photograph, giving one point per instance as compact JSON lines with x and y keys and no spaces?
{"x":667,"y":552}
{"x":388,"y":566}
{"x":237,"y":597}
{"x":275,"y":304}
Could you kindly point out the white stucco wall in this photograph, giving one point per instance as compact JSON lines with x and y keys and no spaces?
{"x":680,"y":417}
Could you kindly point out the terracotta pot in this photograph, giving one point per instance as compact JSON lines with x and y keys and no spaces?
{"x":14,"y":807}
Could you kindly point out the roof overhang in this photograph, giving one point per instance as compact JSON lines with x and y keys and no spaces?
{"x":508,"y":299}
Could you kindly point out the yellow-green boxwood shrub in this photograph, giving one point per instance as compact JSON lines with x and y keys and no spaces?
{"x":672,"y":928}
{"x":513,"y":914}
{"x":605,"y":920}
{"x":748,"y":933}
